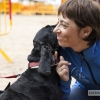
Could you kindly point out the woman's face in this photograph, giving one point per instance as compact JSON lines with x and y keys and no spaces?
{"x":68,"y":33}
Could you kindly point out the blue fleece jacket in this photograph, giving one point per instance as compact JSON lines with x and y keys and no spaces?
{"x":79,"y":68}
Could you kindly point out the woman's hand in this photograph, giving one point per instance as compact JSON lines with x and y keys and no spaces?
{"x":62,"y":68}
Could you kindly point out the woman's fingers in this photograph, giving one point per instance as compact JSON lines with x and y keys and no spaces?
{"x":62,"y":69}
{"x":56,"y":55}
{"x":64,"y":74}
{"x":61,"y":58}
{"x":63,"y":62}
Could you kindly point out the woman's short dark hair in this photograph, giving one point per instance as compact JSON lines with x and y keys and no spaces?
{"x":83,"y":13}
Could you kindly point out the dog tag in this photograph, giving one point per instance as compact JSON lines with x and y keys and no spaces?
{"x":34,"y":67}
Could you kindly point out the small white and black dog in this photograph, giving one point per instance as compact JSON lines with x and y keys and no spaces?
{"x":40,"y":81}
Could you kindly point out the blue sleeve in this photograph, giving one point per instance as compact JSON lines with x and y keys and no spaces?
{"x":65,"y":87}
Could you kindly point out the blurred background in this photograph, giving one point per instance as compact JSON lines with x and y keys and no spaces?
{"x":31,"y":6}
{"x":20,"y":20}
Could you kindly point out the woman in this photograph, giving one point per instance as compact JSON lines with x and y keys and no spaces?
{"x":78,"y":34}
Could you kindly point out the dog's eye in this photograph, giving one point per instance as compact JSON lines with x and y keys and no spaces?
{"x":46,"y":46}
{"x":37,"y":43}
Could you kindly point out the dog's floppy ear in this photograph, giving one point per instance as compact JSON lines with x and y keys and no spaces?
{"x":45,"y":60}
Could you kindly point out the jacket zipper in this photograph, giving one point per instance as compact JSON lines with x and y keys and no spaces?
{"x":90,"y":70}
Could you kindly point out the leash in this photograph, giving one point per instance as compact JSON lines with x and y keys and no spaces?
{"x":30,"y":65}
{"x":33,"y":64}
{"x":12,"y":76}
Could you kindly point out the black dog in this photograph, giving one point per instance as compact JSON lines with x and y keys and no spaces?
{"x":40,"y":83}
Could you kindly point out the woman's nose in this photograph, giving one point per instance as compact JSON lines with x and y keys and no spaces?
{"x":56,"y":30}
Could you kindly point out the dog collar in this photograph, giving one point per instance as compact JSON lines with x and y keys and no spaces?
{"x":36,"y":64}
{"x":33,"y":65}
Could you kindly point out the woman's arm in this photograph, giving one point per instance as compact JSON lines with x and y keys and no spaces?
{"x":65,"y":80}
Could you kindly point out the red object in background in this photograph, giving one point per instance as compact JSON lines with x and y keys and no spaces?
{"x":10,"y":8}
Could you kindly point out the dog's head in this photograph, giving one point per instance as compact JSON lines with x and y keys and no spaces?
{"x":45,"y":44}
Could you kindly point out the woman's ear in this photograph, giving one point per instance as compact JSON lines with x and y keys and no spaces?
{"x":87,"y":31}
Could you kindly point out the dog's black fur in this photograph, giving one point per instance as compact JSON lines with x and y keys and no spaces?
{"x":39,"y":83}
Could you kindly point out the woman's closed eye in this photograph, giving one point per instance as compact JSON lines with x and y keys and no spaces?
{"x":63,"y":25}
